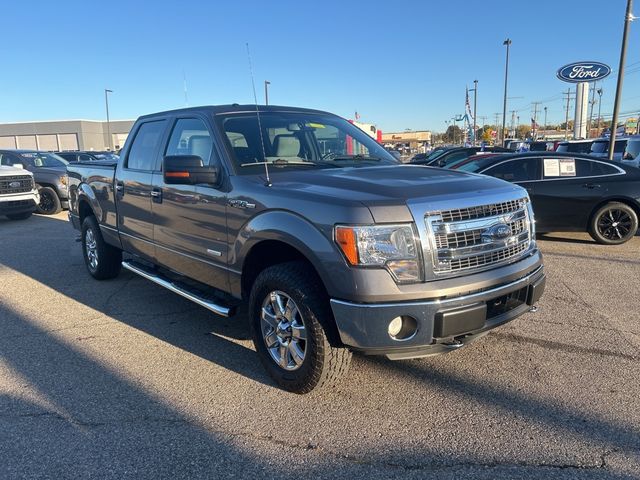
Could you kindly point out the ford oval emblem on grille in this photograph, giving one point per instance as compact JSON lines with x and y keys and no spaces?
{"x":15,"y":184}
{"x":496,"y":232}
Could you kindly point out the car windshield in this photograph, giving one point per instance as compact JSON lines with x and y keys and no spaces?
{"x":298,"y":140}
{"x":436,"y":153}
{"x":43,"y":159}
{"x":475,"y":165}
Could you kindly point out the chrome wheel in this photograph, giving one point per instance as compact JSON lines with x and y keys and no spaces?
{"x":283,"y":330}
{"x":615,"y":224}
{"x":91,"y":249}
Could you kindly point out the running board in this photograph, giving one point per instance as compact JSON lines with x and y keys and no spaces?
{"x":175,"y":288}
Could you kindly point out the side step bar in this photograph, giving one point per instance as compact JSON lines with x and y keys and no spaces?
{"x":182,"y":291}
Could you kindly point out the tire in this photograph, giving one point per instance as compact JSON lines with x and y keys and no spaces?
{"x":19,"y":216}
{"x":613,"y":224}
{"x":49,"y":201}
{"x":309,"y":319}
{"x":101,"y":259}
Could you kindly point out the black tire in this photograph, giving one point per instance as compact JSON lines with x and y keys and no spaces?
{"x":323,"y":364}
{"x":108,"y":259}
{"x":49,"y":201}
{"x":19,"y":216}
{"x":613,"y":224}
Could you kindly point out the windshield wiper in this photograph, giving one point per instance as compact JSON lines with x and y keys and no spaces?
{"x":358,"y":156}
{"x":280,"y":162}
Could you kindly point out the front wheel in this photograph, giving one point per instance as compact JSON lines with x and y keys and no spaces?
{"x":613,"y":224}
{"x":49,"y":201}
{"x":289,"y":317}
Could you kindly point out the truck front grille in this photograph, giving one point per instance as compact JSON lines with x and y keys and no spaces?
{"x":479,"y":237}
{"x":16,"y":184}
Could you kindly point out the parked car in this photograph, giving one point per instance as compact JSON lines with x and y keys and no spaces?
{"x":462,"y":161}
{"x":49,"y":172}
{"x":421,"y":158}
{"x":572,"y":192}
{"x":600,"y":148}
{"x":456,"y":154}
{"x":87,"y":156}
{"x":346,"y":250}
{"x":575,"y":146}
{"x":631,"y":155}
{"x":18,"y":194}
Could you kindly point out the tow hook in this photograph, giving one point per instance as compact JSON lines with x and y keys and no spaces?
{"x":534,"y":309}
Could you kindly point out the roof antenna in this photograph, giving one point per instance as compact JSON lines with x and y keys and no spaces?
{"x":255,"y":99}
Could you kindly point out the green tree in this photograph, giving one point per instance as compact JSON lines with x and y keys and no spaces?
{"x":452,"y":135}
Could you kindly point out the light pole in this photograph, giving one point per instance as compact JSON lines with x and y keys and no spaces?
{"x":507,"y":42}
{"x":475,"y":105}
{"x":266,"y":91}
{"x":599,"y":92}
{"x":545,"y":123}
{"x":623,"y":54}
{"x":106,"y":103}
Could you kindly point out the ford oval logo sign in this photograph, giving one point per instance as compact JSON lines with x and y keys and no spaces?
{"x":584,"y":72}
{"x":15,"y":185}
{"x":496,"y":233}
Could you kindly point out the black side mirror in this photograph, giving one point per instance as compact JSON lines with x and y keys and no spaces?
{"x":187,"y":170}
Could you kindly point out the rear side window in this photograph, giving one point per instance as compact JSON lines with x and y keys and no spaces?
{"x":190,"y":136}
{"x":83,"y":157}
{"x":142,"y":154}
{"x":603,"y":147}
{"x":454,"y":157}
{"x":587,"y":168}
{"x":519,"y":170}
{"x":633,"y":149}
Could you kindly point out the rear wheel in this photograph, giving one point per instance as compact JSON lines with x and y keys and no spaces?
{"x":613,"y":224}
{"x":102,"y":260}
{"x":19,"y":216}
{"x":49,"y":201}
{"x":289,"y":317}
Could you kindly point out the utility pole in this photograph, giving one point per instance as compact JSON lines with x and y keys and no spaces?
{"x":498,"y":134}
{"x":266,"y":91}
{"x":599,"y":92}
{"x":475,"y":104}
{"x":534,"y":130}
{"x":566,"y":121}
{"x":507,"y":42}
{"x":592,"y":102}
{"x":106,"y":103}
{"x":513,"y":124}
{"x":545,"y":122}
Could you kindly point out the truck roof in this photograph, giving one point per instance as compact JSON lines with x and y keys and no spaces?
{"x":236,"y":108}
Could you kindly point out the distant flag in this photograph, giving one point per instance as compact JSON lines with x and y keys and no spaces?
{"x":357,"y":116}
{"x":534,"y":125}
{"x":467,"y":104}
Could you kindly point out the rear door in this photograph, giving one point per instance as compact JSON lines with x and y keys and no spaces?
{"x":190,"y":228}
{"x":133,"y":183}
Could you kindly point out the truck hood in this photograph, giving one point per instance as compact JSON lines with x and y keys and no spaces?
{"x":387,"y":190}
{"x":6,"y":171}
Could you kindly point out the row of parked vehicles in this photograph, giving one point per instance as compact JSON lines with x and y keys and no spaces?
{"x":47,"y":172}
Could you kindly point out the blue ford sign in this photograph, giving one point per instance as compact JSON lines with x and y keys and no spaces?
{"x":583,"y":72}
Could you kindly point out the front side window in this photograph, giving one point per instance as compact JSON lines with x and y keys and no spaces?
{"x":143,"y":150}
{"x":518,"y":170}
{"x":633,"y":149}
{"x":298,"y":140}
{"x":190,"y":136}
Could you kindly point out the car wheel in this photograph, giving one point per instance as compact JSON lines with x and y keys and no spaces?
{"x":290,"y":317}
{"x":49,"y":201}
{"x":613,"y":224}
{"x":102,"y":260}
{"x":19,"y":216}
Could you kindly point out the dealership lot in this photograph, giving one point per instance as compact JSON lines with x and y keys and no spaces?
{"x":123,"y":378}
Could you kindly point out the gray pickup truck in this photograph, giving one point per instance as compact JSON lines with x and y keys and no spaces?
{"x":334,"y":245}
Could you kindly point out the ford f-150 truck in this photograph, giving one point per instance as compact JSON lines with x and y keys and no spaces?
{"x":18,"y":194}
{"x":334,"y":246}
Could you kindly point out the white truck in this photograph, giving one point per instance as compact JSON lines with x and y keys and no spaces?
{"x":19,"y":196}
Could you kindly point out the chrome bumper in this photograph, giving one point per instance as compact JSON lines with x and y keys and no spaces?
{"x":442,"y":324}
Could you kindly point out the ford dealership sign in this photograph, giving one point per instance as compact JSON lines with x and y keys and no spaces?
{"x":583,"y":72}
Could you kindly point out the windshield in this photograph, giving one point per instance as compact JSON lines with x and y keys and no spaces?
{"x":43,"y":159}
{"x":436,"y":153}
{"x":475,"y":165}
{"x":300,"y":140}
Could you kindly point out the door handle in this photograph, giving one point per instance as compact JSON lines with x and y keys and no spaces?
{"x":156,"y":195}
{"x":590,"y":186}
{"x":120,"y":188}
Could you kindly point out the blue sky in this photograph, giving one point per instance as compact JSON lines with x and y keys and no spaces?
{"x":401,"y":64}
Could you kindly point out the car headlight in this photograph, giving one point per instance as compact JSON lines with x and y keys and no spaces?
{"x":393,"y":247}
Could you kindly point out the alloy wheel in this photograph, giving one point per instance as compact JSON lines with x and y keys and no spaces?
{"x":614,"y":224}
{"x":283,"y":330}
{"x":91,"y":248}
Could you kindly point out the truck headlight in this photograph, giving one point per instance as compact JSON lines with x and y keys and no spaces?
{"x":393,"y":247}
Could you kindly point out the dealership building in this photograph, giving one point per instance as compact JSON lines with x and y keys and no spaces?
{"x":413,"y":140}
{"x":65,"y":135}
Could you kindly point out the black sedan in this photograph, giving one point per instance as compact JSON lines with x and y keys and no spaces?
{"x":447,"y":157}
{"x":572,"y":192}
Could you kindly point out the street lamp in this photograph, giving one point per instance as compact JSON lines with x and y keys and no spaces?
{"x":507,"y":42}
{"x":475,"y":104}
{"x":106,"y":103}
{"x":599,"y":92}
{"x":545,"y":123}
{"x":266,"y":91}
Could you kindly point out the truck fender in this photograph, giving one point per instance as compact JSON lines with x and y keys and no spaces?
{"x":87,"y":194}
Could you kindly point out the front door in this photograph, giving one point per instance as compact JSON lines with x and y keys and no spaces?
{"x":133,"y":186}
{"x":190,"y":220}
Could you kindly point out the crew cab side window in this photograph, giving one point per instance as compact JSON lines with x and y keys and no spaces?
{"x":9,"y":160}
{"x":519,"y":170}
{"x":142,"y":154}
{"x":587,"y":168}
{"x":190,"y":136}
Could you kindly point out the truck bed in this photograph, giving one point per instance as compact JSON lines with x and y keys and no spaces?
{"x":96,"y":179}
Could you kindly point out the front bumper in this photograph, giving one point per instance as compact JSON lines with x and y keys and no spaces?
{"x":442,"y":324}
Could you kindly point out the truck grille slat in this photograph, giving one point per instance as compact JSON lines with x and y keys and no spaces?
{"x":464,"y":239}
{"x":15,"y":184}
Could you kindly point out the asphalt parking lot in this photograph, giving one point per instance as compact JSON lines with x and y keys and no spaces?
{"x":124,"y":379}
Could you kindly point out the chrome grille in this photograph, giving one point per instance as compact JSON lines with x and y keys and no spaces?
{"x":16,"y":184}
{"x":479,"y":237}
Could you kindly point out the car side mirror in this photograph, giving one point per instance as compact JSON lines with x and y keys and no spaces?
{"x":187,"y":170}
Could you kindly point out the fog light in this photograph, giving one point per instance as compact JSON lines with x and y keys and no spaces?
{"x":403,"y":328}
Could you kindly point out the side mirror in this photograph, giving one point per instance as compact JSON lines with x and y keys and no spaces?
{"x":187,"y":170}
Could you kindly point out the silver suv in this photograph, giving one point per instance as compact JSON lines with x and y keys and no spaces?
{"x":631,"y":155}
